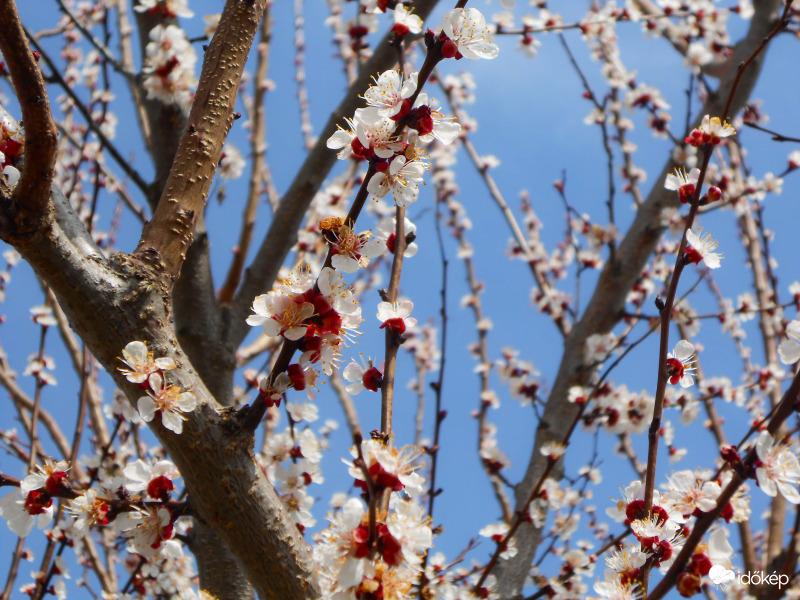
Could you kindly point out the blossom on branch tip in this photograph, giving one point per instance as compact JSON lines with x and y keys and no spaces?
{"x":467,"y":28}
{"x":710,"y":132}
{"x":32,"y":503}
{"x":682,"y":183}
{"x":22,"y":510}
{"x":702,"y":248}
{"x":678,"y":361}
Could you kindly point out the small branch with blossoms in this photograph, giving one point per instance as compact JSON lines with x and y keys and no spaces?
{"x":396,"y":106}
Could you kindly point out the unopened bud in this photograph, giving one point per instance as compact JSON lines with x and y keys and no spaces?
{"x":449,"y":49}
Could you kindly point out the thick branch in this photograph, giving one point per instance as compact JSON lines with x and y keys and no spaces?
{"x":110,"y":303}
{"x":166,"y":239}
{"x":32,"y":194}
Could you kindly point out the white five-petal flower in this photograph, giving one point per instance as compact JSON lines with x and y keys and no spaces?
{"x":779,"y":469}
{"x":702,"y":248}
{"x":467,"y":28}
{"x":170,"y":400}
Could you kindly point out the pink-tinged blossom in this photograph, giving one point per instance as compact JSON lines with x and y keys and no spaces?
{"x":388,"y":95}
{"x":88,"y":511}
{"x":389,"y":468}
{"x":385,"y":234}
{"x":170,"y":400}
{"x":339,"y":548}
{"x":141,"y":362}
{"x":149,"y":530}
{"x":405,"y":22}
{"x":683,"y":183}
{"x":23,"y":509}
{"x":363,"y":377}
{"x":231,"y":162}
{"x":298,"y":504}
{"x":711,"y":132}
{"x":678,"y":364}
{"x":396,"y":315}
{"x":408,"y":523}
{"x":401,"y":177}
{"x":169,"y":75}
{"x":155,"y":479}
{"x":281,"y":315}
{"x":702,"y":248}
{"x":351,"y":250}
{"x":777,"y":469}
{"x":617,"y":590}
{"x":660,"y":538}
{"x":498,"y":532}
{"x":43,"y":315}
{"x":366,"y":137}
{"x":467,"y":28}
{"x":429,"y":122}
{"x":32,"y":503}
{"x":689,"y":495}
{"x":272,"y":391}
{"x":303,"y":376}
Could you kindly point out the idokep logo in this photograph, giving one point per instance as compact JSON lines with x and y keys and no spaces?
{"x":721,"y":576}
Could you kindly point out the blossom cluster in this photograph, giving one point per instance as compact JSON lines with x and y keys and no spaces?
{"x":320,"y":317}
{"x":171,"y":401}
{"x":662,"y":531}
{"x":169,"y":74}
{"x":380,"y":556}
{"x":12,"y":146}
